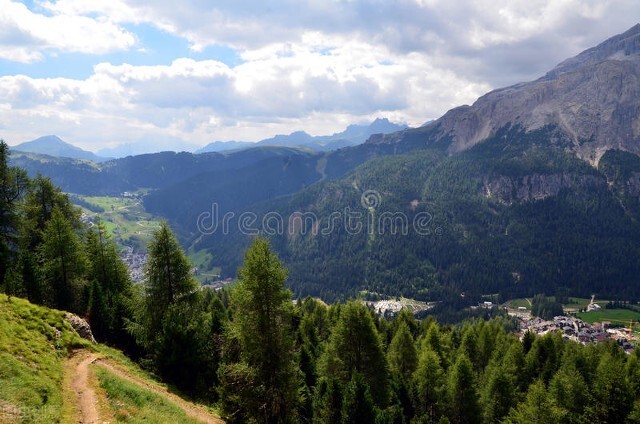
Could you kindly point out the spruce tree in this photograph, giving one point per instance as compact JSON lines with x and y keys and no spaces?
{"x":110,"y":286}
{"x":262,"y":314}
{"x":168,"y":282}
{"x":355,"y":346}
{"x":64,"y":263}
{"x":13,"y":186}
{"x":402,"y":355}
{"x":462,"y":393}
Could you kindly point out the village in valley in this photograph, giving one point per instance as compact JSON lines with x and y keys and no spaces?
{"x":574,"y":328}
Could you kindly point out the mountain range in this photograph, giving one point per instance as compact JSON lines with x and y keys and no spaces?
{"x":533,"y":188}
{"x":351,"y":136}
{"x":52,"y":145}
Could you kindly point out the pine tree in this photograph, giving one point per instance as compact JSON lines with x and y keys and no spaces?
{"x":498,"y":394}
{"x":13,"y":186}
{"x":536,"y":409}
{"x":428,"y":386}
{"x":64,"y":263}
{"x":357,"y":406}
{"x":110,"y":286}
{"x":355,"y":346}
{"x":168,"y":282}
{"x":612,"y":390}
{"x":462,"y":393}
{"x":262,"y":311}
{"x":402,"y":355}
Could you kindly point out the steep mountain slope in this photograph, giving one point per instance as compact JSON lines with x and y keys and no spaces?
{"x":49,"y":374}
{"x":594,"y":98}
{"x":534,"y":188}
{"x":512,"y":215}
{"x":52,"y":145}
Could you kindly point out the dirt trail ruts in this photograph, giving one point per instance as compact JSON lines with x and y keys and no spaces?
{"x":85,"y":397}
{"x":194,"y":411}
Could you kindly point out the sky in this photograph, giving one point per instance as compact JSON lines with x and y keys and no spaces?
{"x":160,"y":74}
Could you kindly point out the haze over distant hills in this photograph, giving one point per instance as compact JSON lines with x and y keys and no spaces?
{"x":52,"y":145}
{"x":351,"y":136}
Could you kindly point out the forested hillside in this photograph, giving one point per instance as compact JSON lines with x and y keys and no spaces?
{"x":515,"y":215}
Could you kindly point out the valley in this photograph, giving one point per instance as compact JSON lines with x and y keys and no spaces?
{"x":482,"y":267}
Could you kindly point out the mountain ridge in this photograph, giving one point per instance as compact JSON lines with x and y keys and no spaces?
{"x":594,"y":97}
{"x":52,"y":145}
{"x":353,"y":135}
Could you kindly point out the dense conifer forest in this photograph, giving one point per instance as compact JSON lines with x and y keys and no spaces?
{"x":263,"y":357}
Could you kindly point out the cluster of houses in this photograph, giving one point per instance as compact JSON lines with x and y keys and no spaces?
{"x":136,"y":262}
{"x":218,"y":284}
{"x":573,"y":328}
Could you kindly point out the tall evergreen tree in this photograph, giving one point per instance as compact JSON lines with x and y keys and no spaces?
{"x":357,"y":406}
{"x":355,"y":346}
{"x":110,"y":286}
{"x":428,"y":386}
{"x":168,"y":282}
{"x":327,"y":403}
{"x":536,"y":409}
{"x":612,"y":390}
{"x":402,"y":355}
{"x":64,"y":263}
{"x":13,"y":186}
{"x":262,"y":312}
{"x":462,"y":393}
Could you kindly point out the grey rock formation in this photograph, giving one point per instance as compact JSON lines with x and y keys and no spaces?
{"x":80,"y":326}
{"x":593,"y":97}
{"x":508,"y":190}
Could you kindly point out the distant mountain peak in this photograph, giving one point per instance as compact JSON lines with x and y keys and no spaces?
{"x":353,"y":135}
{"x":593,"y":98}
{"x":52,"y":145}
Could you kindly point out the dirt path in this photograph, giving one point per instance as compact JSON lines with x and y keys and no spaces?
{"x":85,"y":399}
{"x":194,"y":411}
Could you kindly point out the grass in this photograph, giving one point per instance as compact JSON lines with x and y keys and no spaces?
{"x":577,"y":303}
{"x":130,"y":225}
{"x":133,"y":404}
{"x":517,"y":303}
{"x":34,"y":343}
{"x":125,"y":218}
{"x":610,"y":315}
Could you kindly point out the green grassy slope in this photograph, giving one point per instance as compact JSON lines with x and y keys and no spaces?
{"x":34,"y":342}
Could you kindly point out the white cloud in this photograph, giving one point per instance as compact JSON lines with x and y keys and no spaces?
{"x":25,"y":36}
{"x":317,"y":65}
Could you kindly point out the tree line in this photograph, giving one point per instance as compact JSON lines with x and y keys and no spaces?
{"x":263,"y":358}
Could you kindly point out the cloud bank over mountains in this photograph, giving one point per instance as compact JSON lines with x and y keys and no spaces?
{"x":99,"y":74}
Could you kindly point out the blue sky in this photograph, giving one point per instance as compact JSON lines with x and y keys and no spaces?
{"x":155,"y":75}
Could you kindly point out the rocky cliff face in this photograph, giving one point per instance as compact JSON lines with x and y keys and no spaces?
{"x":593,"y":97}
{"x":509,"y":190}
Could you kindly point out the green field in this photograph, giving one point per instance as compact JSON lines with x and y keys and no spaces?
{"x":517,"y":303}
{"x":130,"y":225}
{"x":613,"y":315}
{"x":125,"y":218}
{"x":203,"y":260}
